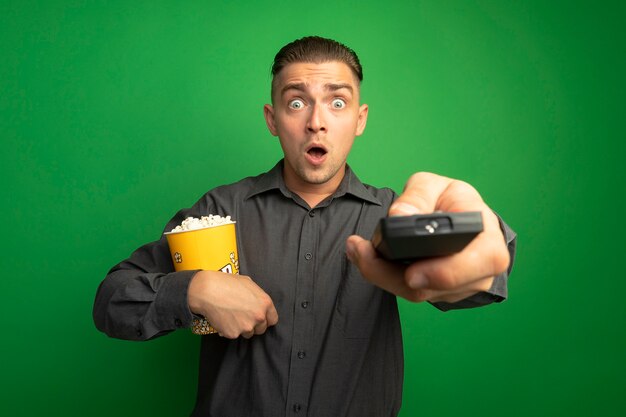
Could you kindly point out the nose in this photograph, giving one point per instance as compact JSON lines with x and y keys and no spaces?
{"x":316,"y":122}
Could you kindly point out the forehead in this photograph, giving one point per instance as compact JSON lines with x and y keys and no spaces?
{"x":315,"y":75}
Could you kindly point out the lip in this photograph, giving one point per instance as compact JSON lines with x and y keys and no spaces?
{"x":314,"y":159}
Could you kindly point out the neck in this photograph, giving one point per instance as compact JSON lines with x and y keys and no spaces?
{"x":312,"y":193}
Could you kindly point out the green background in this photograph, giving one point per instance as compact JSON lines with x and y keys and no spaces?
{"x":115,"y":114}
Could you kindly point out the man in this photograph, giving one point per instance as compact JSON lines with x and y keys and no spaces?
{"x":301,"y":332}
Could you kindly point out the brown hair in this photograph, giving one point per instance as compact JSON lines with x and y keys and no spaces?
{"x":316,"y":49}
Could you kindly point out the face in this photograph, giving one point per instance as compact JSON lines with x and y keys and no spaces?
{"x":316,"y":116}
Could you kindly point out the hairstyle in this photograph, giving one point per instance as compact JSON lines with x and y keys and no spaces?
{"x":317,"y":50}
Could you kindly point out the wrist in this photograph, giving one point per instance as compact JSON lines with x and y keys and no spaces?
{"x":197,"y":287}
{"x":197,"y":300}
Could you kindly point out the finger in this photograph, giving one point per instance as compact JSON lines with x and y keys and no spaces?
{"x":421,"y":194}
{"x":484,"y":257}
{"x":260,"y":328}
{"x":229,"y":335}
{"x":460,"y":196}
{"x":272,"y":316}
{"x":247,"y":335}
{"x":425,"y":192}
{"x":384,"y":274}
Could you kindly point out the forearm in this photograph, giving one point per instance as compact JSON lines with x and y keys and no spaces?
{"x":142,"y":298}
{"x":499,"y":288}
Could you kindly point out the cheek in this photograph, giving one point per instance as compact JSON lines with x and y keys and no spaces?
{"x":288,"y":124}
{"x":346,"y":127}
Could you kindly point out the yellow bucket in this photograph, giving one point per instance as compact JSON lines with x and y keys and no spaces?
{"x":212,"y":248}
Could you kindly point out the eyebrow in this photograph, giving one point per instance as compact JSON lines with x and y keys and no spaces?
{"x":328,"y":87}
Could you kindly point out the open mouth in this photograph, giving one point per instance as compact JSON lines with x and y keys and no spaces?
{"x":316,"y":152}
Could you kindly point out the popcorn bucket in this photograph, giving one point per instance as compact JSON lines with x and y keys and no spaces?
{"x":212,"y":248}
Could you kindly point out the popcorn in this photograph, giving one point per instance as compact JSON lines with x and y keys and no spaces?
{"x":193,"y":223}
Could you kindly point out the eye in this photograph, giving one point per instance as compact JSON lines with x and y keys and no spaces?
{"x":338,"y":103}
{"x":296,"y":104}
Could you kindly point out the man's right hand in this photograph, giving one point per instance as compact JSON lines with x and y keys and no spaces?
{"x":233,"y":304}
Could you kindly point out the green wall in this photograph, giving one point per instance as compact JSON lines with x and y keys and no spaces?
{"x":115,"y":114}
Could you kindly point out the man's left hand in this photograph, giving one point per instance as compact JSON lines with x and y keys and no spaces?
{"x":448,"y":278}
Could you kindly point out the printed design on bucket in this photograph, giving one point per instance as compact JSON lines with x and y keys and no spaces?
{"x":235,"y":262}
{"x":178,"y":258}
{"x":228,"y":268}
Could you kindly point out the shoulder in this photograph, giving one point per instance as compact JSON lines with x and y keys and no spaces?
{"x":223,"y":200}
{"x":375,"y":195}
{"x":385,"y":194}
{"x":229,"y":194}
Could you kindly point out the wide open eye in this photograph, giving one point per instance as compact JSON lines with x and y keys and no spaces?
{"x":296,"y":104}
{"x":338,"y":103}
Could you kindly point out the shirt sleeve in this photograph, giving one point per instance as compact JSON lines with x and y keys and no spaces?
{"x":498,"y":291}
{"x":142,"y":297}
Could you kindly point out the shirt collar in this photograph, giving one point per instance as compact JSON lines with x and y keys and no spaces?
{"x":273,"y":180}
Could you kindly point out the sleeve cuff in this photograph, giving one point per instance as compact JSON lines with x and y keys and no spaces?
{"x":499,"y":288}
{"x":496,"y":294}
{"x":171,"y":303}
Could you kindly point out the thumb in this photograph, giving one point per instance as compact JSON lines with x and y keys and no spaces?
{"x":359,"y":250}
{"x":376,"y":270}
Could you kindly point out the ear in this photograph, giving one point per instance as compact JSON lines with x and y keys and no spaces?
{"x":362,"y":120}
{"x":268,"y":112}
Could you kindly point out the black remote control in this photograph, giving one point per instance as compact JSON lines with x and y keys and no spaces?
{"x":409,"y":238}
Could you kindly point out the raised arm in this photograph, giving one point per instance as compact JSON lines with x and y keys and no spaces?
{"x":475,"y":276}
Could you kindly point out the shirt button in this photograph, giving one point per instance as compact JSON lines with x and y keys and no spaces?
{"x":178,"y":323}
{"x":296,"y":408}
{"x":308,"y":256}
{"x":305,"y":304}
{"x":312,"y":213}
{"x":139,"y":333}
{"x":301,"y":354}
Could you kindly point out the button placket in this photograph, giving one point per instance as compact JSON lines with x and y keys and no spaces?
{"x":301,"y":371}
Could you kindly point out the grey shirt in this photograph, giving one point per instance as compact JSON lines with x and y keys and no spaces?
{"x":337,"y":347}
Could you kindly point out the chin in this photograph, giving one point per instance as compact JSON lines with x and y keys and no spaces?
{"x":318,"y":181}
{"x":315,"y":177}
{"x":312,"y":176}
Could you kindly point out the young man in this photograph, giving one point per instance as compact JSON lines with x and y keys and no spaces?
{"x":306,"y":330}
